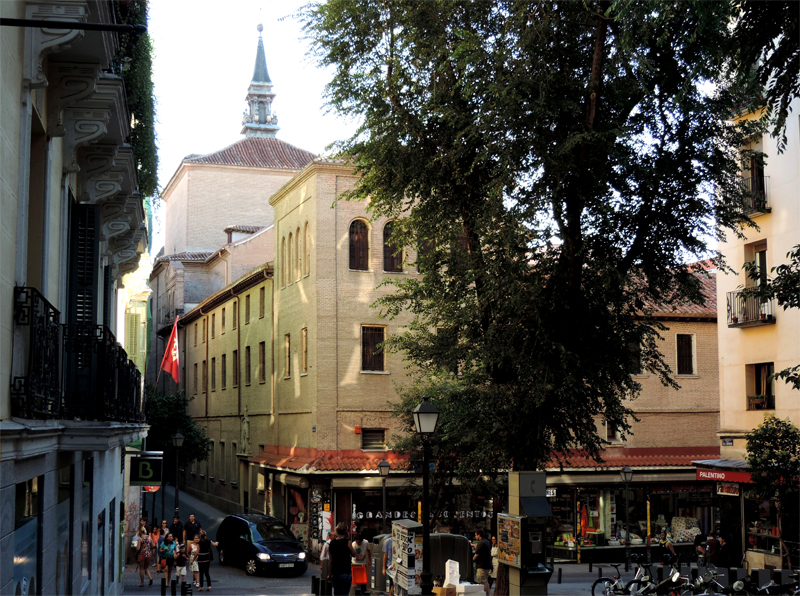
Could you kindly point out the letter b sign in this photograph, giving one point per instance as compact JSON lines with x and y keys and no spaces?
{"x":145,"y":471}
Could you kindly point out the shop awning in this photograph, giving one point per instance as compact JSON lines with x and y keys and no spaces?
{"x":536,"y":506}
{"x":723,"y":470}
{"x":368,"y":482}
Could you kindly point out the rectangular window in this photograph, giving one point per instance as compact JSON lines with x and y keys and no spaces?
{"x":287,"y":356}
{"x":205,"y":375}
{"x":247,"y":365}
{"x":195,"y":334}
{"x":224,"y":371}
{"x":235,"y":368}
{"x":262,"y":300}
{"x":204,"y":330}
{"x":760,"y":387}
{"x":223,"y":463}
{"x":304,"y":351}
{"x":371,"y":353}
{"x":211,"y":461}
{"x":685,"y":354}
{"x":373,"y":439}
{"x":222,"y":322}
{"x":262,"y":362}
{"x":247,"y":309}
{"x":213,"y":325}
{"x":213,"y":374}
{"x":235,"y":315}
{"x":234,"y":463}
{"x":195,"y":378}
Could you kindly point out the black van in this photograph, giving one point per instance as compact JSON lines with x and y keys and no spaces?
{"x":260,"y":543}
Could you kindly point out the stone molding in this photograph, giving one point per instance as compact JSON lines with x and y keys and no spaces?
{"x":41,"y":41}
{"x":69,"y":84}
{"x":82,"y":127}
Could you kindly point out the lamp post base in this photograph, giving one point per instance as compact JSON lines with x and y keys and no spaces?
{"x":426,"y":582}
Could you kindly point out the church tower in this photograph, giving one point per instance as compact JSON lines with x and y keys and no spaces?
{"x":259,"y":120}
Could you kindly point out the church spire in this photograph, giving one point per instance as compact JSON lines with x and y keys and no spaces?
{"x":259,"y":120}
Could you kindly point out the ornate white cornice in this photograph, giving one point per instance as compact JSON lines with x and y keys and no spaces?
{"x":40,"y":41}
{"x":70,"y":83}
{"x":82,"y":127}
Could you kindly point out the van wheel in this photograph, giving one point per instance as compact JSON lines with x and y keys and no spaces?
{"x":250,"y":567}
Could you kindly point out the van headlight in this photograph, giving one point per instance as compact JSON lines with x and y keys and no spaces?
{"x":301,"y":556}
{"x":263,"y":556}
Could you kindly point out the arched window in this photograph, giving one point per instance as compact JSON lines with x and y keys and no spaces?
{"x":307,"y":246}
{"x":283,"y":262}
{"x":289,"y":261}
{"x":392,"y":256}
{"x":359,"y":246}
{"x":297,"y":256}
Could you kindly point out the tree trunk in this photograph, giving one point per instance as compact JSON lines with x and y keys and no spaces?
{"x":501,"y":585}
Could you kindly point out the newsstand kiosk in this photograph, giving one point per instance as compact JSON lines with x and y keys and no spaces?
{"x":521,"y":534}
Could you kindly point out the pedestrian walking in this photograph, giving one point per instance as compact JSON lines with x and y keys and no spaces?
{"x":168,"y":555}
{"x":483,"y":559}
{"x":340,"y":553}
{"x":190,"y":529}
{"x":388,"y":564}
{"x":495,"y":562}
{"x":144,"y":552}
{"x":176,"y":529}
{"x":361,"y":561}
{"x":194,"y":549}
{"x":204,"y":557}
{"x":181,"y":561}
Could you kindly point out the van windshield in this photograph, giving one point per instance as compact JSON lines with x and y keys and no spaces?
{"x":267,"y":531}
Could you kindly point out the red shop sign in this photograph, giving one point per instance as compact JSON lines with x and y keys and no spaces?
{"x":723,"y":476}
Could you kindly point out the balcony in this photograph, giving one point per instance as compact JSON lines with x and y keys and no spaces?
{"x":749,"y":311}
{"x":756,"y":195}
{"x":168,"y":320}
{"x":760,"y":402}
{"x":72,"y":372}
{"x":37,"y":394}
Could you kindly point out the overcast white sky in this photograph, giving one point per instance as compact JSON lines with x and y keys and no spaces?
{"x":204,"y":57}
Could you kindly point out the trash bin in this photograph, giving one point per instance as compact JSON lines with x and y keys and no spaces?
{"x":535,"y":580}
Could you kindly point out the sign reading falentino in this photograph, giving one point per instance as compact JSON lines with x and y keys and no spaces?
{"x":723,"y":476}
{"x":145,"y":471}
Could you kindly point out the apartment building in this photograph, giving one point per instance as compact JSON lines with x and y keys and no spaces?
{"x":72,"y":227}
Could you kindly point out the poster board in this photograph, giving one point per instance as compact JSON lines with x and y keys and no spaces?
{"x":509,"y":543}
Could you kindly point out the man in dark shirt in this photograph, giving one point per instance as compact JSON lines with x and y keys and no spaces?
{"x":190,"y":529}
{"x":176,"y":529}
{"x":483,"y":559}
{"x":712,"y":550}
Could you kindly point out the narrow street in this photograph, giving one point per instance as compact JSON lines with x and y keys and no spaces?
{"x":225,"y":580}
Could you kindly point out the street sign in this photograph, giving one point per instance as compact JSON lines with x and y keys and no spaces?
{"x":152,"y":489}
{"x":145,"y":471}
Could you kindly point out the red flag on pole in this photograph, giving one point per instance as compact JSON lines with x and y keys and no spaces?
{"x":170,"y":362}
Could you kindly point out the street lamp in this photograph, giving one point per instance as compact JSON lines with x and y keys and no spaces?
{"x":177,"y":442}
{"x":384,"y":469}
{"x":426,"y":416}
{"x":627,"y":476}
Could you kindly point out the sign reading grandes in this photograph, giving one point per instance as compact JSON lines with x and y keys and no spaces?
{"x":724,"y":476}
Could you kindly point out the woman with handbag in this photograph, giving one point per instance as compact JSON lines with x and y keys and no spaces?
{"x":168,"y":556}
{"x":144,"y":552}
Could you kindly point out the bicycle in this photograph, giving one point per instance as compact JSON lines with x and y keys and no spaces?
{"x":609,"y":586}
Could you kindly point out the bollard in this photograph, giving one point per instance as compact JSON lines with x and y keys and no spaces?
{"x":186,"y":589}
{"x":163,"y":586}
{"x":174,"y":587}
{"x":590,"y":566}
{"x":315,"y":585}
{"x":599,"y":572}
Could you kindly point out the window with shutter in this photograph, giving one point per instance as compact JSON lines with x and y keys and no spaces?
{"x":685,"y":354}
{"x":392,"y":256}
{"x":371,"y":353}
{"x":359,"y":246}
{"x":373,"y":439}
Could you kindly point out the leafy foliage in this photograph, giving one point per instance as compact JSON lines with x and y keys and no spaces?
{"x":556,"y":163}
{"x":167,"y":415}
{"x":784,"y":287}
{"x":766,"y":54}
{"x":773,"y":454}
{"x":135,"y":61}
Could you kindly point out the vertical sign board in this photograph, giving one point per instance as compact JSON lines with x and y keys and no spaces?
{"x":145,"y":471}
{"x":509,"y":539}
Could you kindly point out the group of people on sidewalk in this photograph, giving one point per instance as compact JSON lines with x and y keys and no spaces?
{"x":182,"y":547}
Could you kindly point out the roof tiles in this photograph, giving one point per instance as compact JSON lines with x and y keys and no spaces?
{"x":257,"y":152}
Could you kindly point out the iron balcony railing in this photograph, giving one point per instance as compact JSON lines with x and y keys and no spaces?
{"x":72,"y":372}
{"x":757,"y":194}
{"x":749,"y":311}
{"x":37,"y":394}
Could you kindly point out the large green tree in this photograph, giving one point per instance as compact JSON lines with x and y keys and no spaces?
{"x":167,"y":414}
{"x":556,"y":164}
{"x":773,"y":453}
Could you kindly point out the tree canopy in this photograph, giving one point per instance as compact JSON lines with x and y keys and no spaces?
{"x":556,"y":164}
{"x":167,"y":414}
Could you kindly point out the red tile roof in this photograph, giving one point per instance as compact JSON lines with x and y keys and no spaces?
{"x":635,"y":457}
{"x":245,"y":229}
{"x":305,"y":461}
{"x":185,"y":256}
{"x":708,"y":286}
{"x":257,"y":152}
